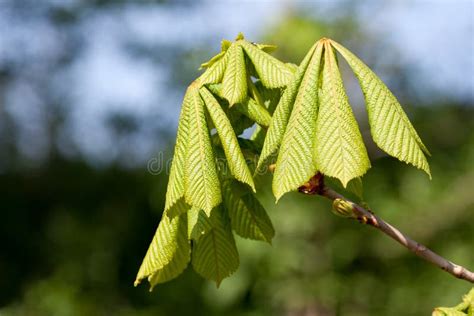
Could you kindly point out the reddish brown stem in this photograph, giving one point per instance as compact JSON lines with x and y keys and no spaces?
{"x":316,"y":186}
{"x":367,"y":217}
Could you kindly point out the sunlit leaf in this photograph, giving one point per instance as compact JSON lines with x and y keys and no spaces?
{"x":340,"y":150}
{"x":201,"y":180}
{"x":390,"y":127}
{"x":234,"y":83}
{"x":256,"y":112}
{"x":248,"y":217}
{"x":169,"y":252}
{"x":215,"y":255}
{"x":235,"y":159}
{"x":272,"y":72}
{"x":198,"y":223}
{"x":296,"y":162}
{"x":175,"y":191}
{"x":281,"y":116}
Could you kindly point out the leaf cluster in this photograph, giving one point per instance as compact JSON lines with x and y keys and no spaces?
{"x":304,"y":124}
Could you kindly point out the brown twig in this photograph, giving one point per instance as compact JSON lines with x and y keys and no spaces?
{"x":316,"y":186}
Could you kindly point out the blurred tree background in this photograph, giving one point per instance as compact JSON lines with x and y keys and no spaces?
{"x":89,"y":100}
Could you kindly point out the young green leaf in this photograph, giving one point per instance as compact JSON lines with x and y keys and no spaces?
{"x":339,"y":148}
{"x":215,"y":255}
{"x":179,"y":261}
{"x":175,"y":190}
{"x":216,"y":70}
{"x":248,"y":217}
{"x":213,"y":60}
{"x":234,"y":156}
{"x":390,"y":127}
{"x":169,"y":252}
{"x":238,"y":120}
{"x":198,"y":223}
{"x":201,"y":180}
{"x":234,"y":83}
{"x":296,"y":161}
{"x":281,"y":115}
{"x":272,"y":72}
{"x":178,"y":208}
{"x":269,"y":96}
{"x":267,"y":48}
{"x":292,"y":67}
{"x":256,"y":112}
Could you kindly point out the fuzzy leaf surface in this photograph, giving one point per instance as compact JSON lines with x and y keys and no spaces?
{"x":169,"y":252}
{"x":198,"y":223}
{"x":201,"y":180}
{"x":235,"y":158}
{"x":272,"y":72}
{"x":256,"y":112}
{"x":296,"y":161}
{"x":248,"y":217}
{"x":234,"y":83}
{"x":340,"y":150}
{"x":175,"y":190}
{"x":215,"y":71}
{"x":281,"y":116}
{"x":215,"y":255}
{"x":390,"y":127}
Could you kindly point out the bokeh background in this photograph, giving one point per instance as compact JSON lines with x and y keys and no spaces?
{"x":90,"y":93}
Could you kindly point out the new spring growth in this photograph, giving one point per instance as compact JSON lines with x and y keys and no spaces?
{"x":343,"y":208}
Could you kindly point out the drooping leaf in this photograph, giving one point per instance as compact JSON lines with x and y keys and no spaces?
{"x":213,"y":60}
{"x":256,"y":112}
{"x":235,"y":159}
{"x":267,"y":48}
{"x":248,"y":217}
{"x":215,"y":71}
{"x":296,"y":161}
{"x":175,"y":192}
{"x":281,"y":115}
{"x":215,"y":255}
{"x":198,"y":223}
{"x":169,"y":252}
{"x":390,"y":127}
{"x":201,"y":180}
{"x":250,"y":151}
{"x":178,"y":263}
{"x":216,"y":89}
{"x":292,"y":67}
{"x":178,"y":208}
{"x":272,"y":72}
{"x":339,"y":148}
{"x":269,"y":96}
{"x":225,"y":44}
{"x":238,"y":120}
{"x":234,"y":82}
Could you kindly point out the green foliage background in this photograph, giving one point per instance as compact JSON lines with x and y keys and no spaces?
{"x":73,"y":234}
